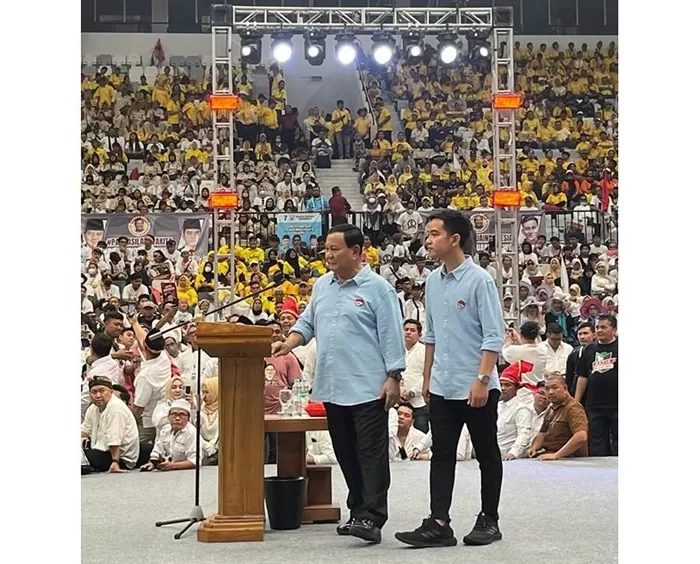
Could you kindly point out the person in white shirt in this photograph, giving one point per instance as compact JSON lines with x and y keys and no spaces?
{"x":464,"y":446}
{"x":310,"y":364}
{"x":410,"y":223}
{"x":412,"y":382}
{"x":102,"y":365}
{"x":193,"y":351}
{"x":319,"y":448}
{"x":85,"y":305}
{"x":209,"y":421}
{"x":413,"y":305}
{"x":514,"y":418}
{"x":150,"y":383}
{"x":555,"y":349}
{"x":523,"y":346}
{"x":182,"y":315}
{"x":405,"y":437}
{"x":183,"y":362}
{"x":176,"y":445}
{"x":393,"y":272}
{"x":109,"y":433}
{"x":186,"y":265}
{"x":597,"y":247}
{"x":133,"y":291}
{"x":174,"y":390}
{"x":171,"y":253}
{"x":417,"y":271}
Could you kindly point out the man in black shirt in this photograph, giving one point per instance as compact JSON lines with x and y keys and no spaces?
{"x":597,"y":378}
{"x":586,"y":335}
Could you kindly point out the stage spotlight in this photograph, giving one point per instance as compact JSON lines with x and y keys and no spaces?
{"x":281,"y":47}
{"x":251,"y":47}
{"x":447,"y":47}
{"x":345,"y":48}
{"x":315,"y":47}
{"x":412,"y":46}
{"x":383,"y":48}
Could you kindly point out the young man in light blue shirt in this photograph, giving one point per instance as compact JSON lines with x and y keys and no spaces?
{"x":355,"y":316}
{"x":463,"y":336}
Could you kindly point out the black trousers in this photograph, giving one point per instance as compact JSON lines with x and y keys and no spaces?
{"x":422,"y":418}
{"x":602,"y":432}
{"x":360,"y":436}
{"x":101,"y":460}
{"x":447,"y":417}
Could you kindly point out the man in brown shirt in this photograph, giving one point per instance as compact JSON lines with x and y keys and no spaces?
{"x":564,"y":431}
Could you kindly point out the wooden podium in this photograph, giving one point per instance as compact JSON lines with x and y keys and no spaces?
{"x":240,"y":349}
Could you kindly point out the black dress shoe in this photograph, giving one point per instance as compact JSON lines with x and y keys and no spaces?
{"x":366,"y":530}
{"x":485,"y":531}
{"x":344,"y":529}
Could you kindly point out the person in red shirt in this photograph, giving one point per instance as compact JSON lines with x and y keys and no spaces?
{"x":339,"y":207}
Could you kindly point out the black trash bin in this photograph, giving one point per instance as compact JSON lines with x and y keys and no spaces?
{"x":284,"y":499}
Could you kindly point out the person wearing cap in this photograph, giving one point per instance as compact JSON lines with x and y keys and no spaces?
{"x":148,"y":315}
{"x":514,"y":417}
{"x":171,"y":253}
{"x":135,"y":289}
{"x":109,"y":433}
{"x":564,"y":431}
{"x":150,"y":385}
{"x":355,"y":317}
{"x":175,"y":446}
{"x":463,"y":337}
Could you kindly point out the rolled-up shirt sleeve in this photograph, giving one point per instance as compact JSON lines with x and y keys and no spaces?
{"x":305,"y":324}
{"x":490,"y":316}
{"x":428,"y":333}
{"x":390,"y":330}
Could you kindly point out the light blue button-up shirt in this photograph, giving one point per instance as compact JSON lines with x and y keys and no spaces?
{"x":463,"y":318}
{"x":359,"y":336}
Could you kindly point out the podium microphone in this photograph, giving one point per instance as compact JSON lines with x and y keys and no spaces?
{"x":277,"y":280}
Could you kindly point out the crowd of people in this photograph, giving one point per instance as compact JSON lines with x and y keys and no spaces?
{"x":147,"y":148}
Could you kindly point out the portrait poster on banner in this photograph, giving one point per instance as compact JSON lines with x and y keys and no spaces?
{"x":306,"y":225}
{"x":189,"y":231}
{"x":530,"y":226}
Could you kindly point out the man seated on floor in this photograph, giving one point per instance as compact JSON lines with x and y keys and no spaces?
{"x":564,"y":431}
{"x":319,"y":448}
{"x":175,"y":447}
{"x":404,"y":437}
{"x":464,"y":446}
{"x":109,"y":433}
{"x":514,"y":417}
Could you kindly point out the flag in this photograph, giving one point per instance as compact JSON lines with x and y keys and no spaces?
{"x":158,"y":55}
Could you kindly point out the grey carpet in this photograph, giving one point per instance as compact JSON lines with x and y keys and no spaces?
{"x":565,"y":510}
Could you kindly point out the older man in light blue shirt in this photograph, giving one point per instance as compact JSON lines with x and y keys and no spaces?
{"x":463,"y":336}
{"x":356,"y":320}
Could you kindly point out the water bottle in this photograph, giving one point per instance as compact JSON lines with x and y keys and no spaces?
{"x":297,"y":403}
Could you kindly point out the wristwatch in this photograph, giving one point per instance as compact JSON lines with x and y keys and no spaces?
{"x":484,"y":379}
{"x":395,"y":375}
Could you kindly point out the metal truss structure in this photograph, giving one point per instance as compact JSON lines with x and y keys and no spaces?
{"x":472,"y":22}
{"x":355,"y":20}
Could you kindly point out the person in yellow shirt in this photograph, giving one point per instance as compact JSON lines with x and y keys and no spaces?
{"x":268,"y":120}
{"x":363,"y":127}
{"x":545,"y":134}
{"x":244,"y":87}
{"x":475,"y":198}
{"x":189,"y":110}
{"x":247,"y":121}
{"x":461,"y":200}
{"x":278,"y":96}
{"x":557,"y":198}
{"x":105,"y":94}
{"x":383,"y":119}
{"x":370,"y":252}
{"x":341,"y":123}
{"x":399,"y":146}
{"x":253,"y":253}
{"x":384,"y":144}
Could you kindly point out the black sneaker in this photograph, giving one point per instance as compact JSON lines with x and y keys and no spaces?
{"x":485,"y":531}
{"x":429,"y":534}
{"x":366,"y":530}
{"x":344,"y":529}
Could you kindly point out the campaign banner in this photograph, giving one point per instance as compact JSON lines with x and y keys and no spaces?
{"x":306,"y":225}
{"x":530,"y":226}
{"x":189,"y":230}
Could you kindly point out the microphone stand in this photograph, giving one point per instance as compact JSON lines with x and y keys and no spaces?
{"x":196,"y":515}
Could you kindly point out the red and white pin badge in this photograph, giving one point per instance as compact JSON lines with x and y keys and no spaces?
{"x":359,"y":302}
{"x":461,"y":304}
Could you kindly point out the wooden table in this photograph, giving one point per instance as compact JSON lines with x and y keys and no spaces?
{"x":291,"y":461}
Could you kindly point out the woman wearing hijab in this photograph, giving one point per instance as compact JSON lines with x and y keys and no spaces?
{"x":576,"y":272}
{"x":561,"y":278}
{"x":532,"y":273}
{"x":372,"y":210}
{"x":575,"y":300}
{"x":292,"y":259}
{"x":602,"y":284}
{"x":527,"y":253}
{"x":391,"y":212}
{"x":210,"y":421}
{"x":173,"y":390}
{"x":586,"y":281}
{"x":186,"y":292}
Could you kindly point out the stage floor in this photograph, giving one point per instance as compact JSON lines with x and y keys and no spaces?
{"x":565,"y":510}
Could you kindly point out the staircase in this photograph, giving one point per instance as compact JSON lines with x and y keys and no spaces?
{"x":341,"y":174}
